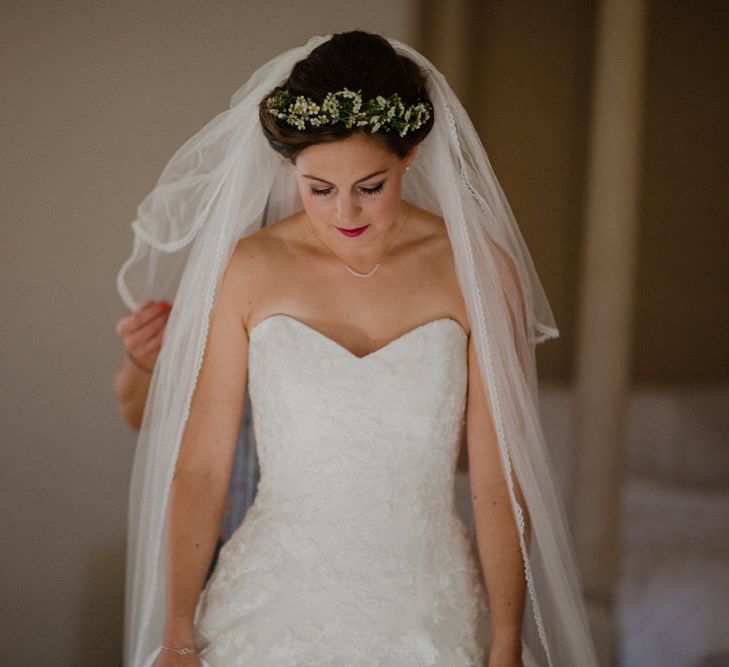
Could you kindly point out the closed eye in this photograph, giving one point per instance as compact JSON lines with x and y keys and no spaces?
{"x":365,"y":191}
{"x":374,"y":190}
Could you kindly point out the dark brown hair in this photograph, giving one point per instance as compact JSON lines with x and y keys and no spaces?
{"x":359,"y":61}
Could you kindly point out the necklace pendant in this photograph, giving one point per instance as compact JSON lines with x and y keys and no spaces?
{"x":362,"y":275}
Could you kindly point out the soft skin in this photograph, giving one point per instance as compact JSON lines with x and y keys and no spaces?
{"x":296,"y":267}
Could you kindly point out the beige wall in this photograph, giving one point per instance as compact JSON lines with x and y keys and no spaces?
{"x":528,"y":90}
{"x":96,"y":97}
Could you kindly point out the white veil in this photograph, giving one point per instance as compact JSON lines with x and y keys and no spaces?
{"x":225,"y":183}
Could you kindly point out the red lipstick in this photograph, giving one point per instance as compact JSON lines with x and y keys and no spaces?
{"x":352,"y":232}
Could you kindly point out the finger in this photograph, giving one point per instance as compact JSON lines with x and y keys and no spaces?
{"x":145,"y":308}
{"x":136,"y":336}
{"x":127,"y":326}
{"x":139,"y":337}
{"x":157,"y":323}
{"x":150,"y":309}
{"x":147,"y":314}
{"x":124,"y":325}
{"x":129,"y":322}
{"x":153,"y":345}
{"x":137,"y":340}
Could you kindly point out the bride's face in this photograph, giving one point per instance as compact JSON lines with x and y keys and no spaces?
{"x":350,"y":184}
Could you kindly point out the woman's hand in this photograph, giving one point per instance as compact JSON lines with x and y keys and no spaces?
{"x":504,"y":656}
{"x":172,"y":659}
{"x":503,"y":662}
{"x":142,"y":331}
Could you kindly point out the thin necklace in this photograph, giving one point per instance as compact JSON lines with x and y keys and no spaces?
{"x":377,"y":266}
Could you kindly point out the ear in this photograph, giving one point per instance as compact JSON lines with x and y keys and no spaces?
{"x":408,"y":159}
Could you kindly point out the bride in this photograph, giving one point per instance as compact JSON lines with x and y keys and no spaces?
{"x":338,"y":241}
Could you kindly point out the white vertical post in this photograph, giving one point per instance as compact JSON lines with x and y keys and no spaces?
{"x":603,"y":360}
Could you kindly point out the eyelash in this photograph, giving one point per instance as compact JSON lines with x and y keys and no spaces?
{"x":370,"y":192}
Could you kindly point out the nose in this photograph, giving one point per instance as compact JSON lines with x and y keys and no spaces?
{"x":347,"y":209}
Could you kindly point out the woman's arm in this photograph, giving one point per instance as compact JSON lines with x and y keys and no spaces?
{"x":142,"y":332}
{"x":496,"y":530}
{"x":202,"y":474}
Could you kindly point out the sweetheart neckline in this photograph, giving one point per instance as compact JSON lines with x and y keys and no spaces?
{"x":338,"y":345}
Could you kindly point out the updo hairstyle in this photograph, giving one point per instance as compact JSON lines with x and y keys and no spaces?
{"x":355,"y":60}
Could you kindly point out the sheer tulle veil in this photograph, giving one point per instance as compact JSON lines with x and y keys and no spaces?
{"x":226,"y":182}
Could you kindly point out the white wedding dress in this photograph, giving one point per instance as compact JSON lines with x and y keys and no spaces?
{"x":353,"y":553}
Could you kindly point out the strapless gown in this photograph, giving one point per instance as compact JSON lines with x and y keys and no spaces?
{"x":353,"y":553}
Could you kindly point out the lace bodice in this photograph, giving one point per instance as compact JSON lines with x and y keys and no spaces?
{"x":353,"y":552}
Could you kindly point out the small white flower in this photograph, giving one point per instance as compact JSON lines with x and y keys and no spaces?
{"x":379,"y":112}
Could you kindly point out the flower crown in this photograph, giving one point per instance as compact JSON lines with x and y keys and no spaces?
{"x":346,"y":106}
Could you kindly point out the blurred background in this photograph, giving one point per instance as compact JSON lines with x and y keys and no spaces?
{"x":606,"y":125}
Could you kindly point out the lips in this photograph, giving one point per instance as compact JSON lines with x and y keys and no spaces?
{"x":352,"y":232}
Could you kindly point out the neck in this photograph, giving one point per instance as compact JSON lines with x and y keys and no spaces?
{"x":365,"y":258}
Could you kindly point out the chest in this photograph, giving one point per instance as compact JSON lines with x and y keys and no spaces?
{"x":361,"y":313}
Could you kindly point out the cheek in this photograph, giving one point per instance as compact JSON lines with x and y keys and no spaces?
{"x":386,"y":204}
{"x":317,"y":208}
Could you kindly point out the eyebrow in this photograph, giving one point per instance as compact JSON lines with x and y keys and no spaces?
{"x":374,"y":173}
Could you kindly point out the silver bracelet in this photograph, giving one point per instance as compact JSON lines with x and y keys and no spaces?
{"x":185,"y":650}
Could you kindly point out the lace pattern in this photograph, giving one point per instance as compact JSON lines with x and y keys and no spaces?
{"x":353,"y":552}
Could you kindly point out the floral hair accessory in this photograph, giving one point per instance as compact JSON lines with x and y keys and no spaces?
{"x":346,"y":106}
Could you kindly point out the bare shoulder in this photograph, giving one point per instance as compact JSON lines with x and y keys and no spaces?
{"x":267,"y":242}
{"x":255,"y":262}
{"x":436,"y":253}
{"x":434,"y":244}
